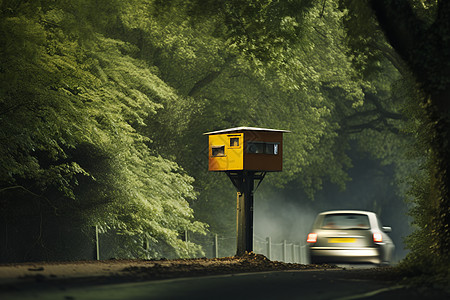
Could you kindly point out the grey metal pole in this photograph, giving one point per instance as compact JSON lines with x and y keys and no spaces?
{"x":240,"y":228}
{"x":245,"y":215}
{"x":243,"y":181}
{"x":284,"y":250}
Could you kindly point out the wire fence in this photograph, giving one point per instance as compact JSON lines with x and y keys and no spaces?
{"x":62,"y":243}
{"x":215,"y":245}
{"x":285,"y":251}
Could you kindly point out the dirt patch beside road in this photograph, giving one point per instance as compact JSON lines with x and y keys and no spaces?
{"x":22,"y":276}
{"x":134,"y":270}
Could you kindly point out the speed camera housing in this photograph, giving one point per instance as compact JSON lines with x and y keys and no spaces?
{"x":246,"y":148}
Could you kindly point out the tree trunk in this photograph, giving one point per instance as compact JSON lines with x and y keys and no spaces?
{"x":426,"y":50}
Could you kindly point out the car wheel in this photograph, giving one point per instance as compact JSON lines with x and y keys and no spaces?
{"x":384,"y":264}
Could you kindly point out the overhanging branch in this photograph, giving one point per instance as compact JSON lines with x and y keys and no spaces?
{"x":14,"y":187}
{"x":402,"y":28}
{"x":207,"y":79}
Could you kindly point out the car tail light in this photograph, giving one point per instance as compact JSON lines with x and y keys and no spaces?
{"x":312,"y":238}
{"x":377,"y":237}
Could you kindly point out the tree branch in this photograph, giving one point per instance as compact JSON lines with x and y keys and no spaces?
{"x":207,"y":79}
{"x":22,"y":188}
{"x":443,"y":18}
{"x":380,"y":109}
{"x":402,"y":28}
{"x":392,"y":56}
{"x":373,"y":125}
{"x":374,"y":119}
{"x":323,"y":8}
{"x":199,"y":85}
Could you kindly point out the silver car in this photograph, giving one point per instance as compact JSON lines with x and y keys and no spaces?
{"x":350,"y":236}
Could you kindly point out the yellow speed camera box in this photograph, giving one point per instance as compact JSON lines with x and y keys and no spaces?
{"x":246,"y":148}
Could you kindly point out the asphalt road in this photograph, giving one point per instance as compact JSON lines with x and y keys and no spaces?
{"x":321,"y":284}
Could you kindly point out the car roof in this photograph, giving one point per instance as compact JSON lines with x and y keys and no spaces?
{"x":347,"y":212}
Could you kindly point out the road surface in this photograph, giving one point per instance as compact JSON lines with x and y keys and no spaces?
{"x":304,"y":284}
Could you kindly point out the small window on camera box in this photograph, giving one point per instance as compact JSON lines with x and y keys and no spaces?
{"x":271,"y":148}
{"x":217,"y":151}
{"x":255,"y":147}
{"x":234,"y":142}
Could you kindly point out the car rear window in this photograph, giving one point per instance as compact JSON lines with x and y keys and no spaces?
{"x":345,"y":221}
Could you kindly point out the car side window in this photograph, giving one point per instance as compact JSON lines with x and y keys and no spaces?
{"x":346,"y":221}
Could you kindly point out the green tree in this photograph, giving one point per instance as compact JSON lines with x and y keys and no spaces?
{"x":73,"y":104}
{"x":419,"y":32}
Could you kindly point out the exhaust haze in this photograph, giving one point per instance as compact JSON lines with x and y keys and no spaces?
{"x":288,"y":214}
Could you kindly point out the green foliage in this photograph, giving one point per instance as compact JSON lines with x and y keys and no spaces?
{"x":427,"y":256}
{"x":72,"y":104}
{"x":261,"y":29}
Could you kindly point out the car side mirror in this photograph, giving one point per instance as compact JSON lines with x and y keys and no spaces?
{"x":386,"y":229}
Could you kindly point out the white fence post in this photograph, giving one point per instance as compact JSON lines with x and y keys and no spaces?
{"x":293,"y":252}
{"x":269,"y":247}
{"x":147,"y":248}
{"x":97,"y":246}
{"x":303,"y":253}
{"x":216,"y":246}
{"x":300,"y":260}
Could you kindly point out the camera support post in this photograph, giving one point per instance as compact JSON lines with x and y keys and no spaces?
{"x":244,"y":182}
